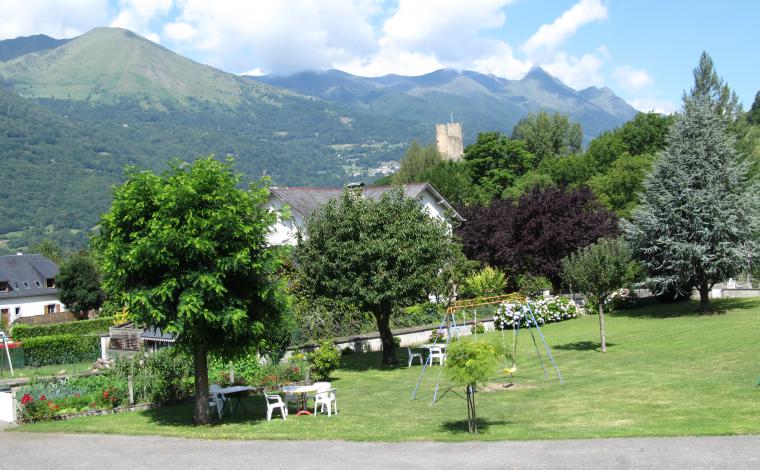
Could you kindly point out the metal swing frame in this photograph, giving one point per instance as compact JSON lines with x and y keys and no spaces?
{"x":449,"y":320}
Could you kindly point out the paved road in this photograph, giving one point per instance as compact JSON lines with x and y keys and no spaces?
{"x":56,"y":451}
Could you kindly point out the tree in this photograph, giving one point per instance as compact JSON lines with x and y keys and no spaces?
{"x":618,"y":188}
{"x":50,"y":249}
{"x":709,"y":85}
{"x":597,"y":271}
{"x":79,"y":284}
{"x":487,"y":282}
{"x":495,"y":162}
{"x":186,"y":251}
{"x":470,"y":363}
{"x":753,"y":115}
{"x":452,"y":180}
{"x":378,"y":254}
{"x":549,"y":135}
{"x":417,"y":161}
{"x":699,"y":213}
{"x":532,"y":234}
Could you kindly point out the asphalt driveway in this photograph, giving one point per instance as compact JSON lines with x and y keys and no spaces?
{"x":59,"y":451}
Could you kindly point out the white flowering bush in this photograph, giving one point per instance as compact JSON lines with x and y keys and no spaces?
{"x":545,"y":310}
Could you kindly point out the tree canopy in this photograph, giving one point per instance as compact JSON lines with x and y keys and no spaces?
{"x":549,"y":135}
{"x":377,"y":254}
{"x":186,"y":251}
{"x":79,"y":284}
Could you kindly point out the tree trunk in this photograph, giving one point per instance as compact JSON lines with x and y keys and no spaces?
{"x":704,"y":297}
{"x":386,"y":337}
{"x":200,"y":359}
{"x":472,"y":422}
{"x":602,"y":331}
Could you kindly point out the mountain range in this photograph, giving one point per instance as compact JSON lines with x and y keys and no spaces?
{"x":75,"y":112}
{"x":481,"y":102}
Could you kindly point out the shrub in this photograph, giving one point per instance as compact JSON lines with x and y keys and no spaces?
{"x":166,"y":375}
{"x":530,"y":286}
{"x":397,"y":341}
{"x":324,"y":360}
{"x":60,"y":349}
{"x":488,"y":282}
{"x":470,"y":363}
{"x":425,"y":313}
{"x":549,"y":310}
{"x":478,"y":328}
{"x":82,"y":327}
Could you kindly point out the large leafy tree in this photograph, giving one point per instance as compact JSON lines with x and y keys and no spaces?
{"x":618,"y":188}
{"x":549,"y":135}
{"x":417,"y":161}
{"x":377,"y":254}
{"x":495,"y":161}
{"x":79,"y":284}
{"x":186,"y":251}
{"x":532,"y":234}
{"x":699,"y":214}
{"x":598,"y":270}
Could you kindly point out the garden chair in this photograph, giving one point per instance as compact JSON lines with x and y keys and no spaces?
{"x":412,"y":355}
{"x":325,"y":399}
{"x":274,"y":402}
{"x":216,"y":399}
{"x":437,"y":353}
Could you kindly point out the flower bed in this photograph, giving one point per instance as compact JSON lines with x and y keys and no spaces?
{"x":546,"y":310}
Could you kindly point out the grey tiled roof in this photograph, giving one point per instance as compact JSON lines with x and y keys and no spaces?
{"x":26,"y":275}
{"x":304,"y":201}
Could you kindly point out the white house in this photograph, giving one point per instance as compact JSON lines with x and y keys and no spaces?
{"x":27,"y":287}
{"x":303,"y":201}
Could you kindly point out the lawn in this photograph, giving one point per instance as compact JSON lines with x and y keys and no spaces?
{"x":668,"y":372}
{"x":45,"y":371}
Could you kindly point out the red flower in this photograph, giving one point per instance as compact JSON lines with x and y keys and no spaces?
{"x":42,"y":398}
{"x":77,"y":395}
{"x":26,"y":399}
{"x":105,"y":394}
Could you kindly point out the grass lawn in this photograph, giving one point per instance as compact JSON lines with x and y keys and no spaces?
{"x":46,"y":371}
{"x":668,"y":372}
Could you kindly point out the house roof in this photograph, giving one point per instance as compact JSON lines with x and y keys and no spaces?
{"x":153,"y":333}
{"x":305,"y":201}
{"x":26,"y":275}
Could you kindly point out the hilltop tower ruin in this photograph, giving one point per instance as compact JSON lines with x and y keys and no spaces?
{"x":448,"y":140}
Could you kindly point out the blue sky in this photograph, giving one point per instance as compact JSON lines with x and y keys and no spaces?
{"x":644,"y":50}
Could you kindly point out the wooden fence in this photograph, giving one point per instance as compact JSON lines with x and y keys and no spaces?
{"x":57,"y":317}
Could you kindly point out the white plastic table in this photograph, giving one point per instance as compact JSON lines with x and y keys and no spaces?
{"x":430,"y":346}
{"x":301,"y":391}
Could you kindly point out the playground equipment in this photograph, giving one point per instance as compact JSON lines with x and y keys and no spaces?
{"x":449,"y":322}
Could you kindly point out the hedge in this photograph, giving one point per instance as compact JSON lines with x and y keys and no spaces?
{"x":60,"y":349}
{"x":82,"y":327}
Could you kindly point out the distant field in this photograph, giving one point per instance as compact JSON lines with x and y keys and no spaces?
{"x":668,"y":372}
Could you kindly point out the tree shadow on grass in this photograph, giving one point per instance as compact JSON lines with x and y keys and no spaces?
{"x":252,"y":411}
{"x":581,"y":346}
{"x":460,"y":426}
{"x":689,"y":308}
{"x":358,"y":362}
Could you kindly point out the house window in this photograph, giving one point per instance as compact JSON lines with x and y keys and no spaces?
{"x":50,"y":309}
{"x":5,"y":287}
{"x":26,"y":284}
{"x":50,"y":283}
{"x":37,"y":283}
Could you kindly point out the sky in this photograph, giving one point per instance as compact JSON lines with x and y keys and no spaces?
{"x":644,"y":50}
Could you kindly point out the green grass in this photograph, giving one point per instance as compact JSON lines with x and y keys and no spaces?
{"x":668,"y":372}
{"x":45,"y":371}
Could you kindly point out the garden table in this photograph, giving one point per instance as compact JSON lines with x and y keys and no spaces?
{"x":301,"y":391}
{"x":430,"y":346}
{"x":236,"y":391}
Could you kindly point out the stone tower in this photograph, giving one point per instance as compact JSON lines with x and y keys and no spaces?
{"x":448,"y":140}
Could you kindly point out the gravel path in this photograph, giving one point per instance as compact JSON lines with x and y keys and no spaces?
{"x":59,"y":451}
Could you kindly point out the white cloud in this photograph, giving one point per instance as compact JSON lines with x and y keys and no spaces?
{"x":631,"y":78}
{"x":137,"y":15}
{"x":56,"y":18}
{"x":579,"y":72}
{"x":654,"y":104}
{"x":551,"y":35}
{"x":180,"y":32}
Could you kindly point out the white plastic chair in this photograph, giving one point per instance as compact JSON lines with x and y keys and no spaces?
{"x":437,"y":353}
{"x":275,"y":402}
{"x":412,"y":355}
{"x":326,"y":399}
{"x":216,"y":399}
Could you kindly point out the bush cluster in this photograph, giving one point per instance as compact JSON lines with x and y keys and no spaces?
{"x":60,"y":349}
{"x":20,"y":332}
{"x":324,"y":360}
{"x":548,"y":310}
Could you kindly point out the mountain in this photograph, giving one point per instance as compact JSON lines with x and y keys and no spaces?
{"x":481,"y":102}
{"x":73,"y":116}
{"x":12,"y":48}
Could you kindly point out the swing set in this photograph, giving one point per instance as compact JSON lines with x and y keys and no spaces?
{"x":449,"y":322}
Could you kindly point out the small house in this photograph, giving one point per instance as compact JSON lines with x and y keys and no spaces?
{"x":27,"y":287}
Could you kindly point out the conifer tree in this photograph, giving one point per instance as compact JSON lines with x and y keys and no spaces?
{"x":699,"y":212}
